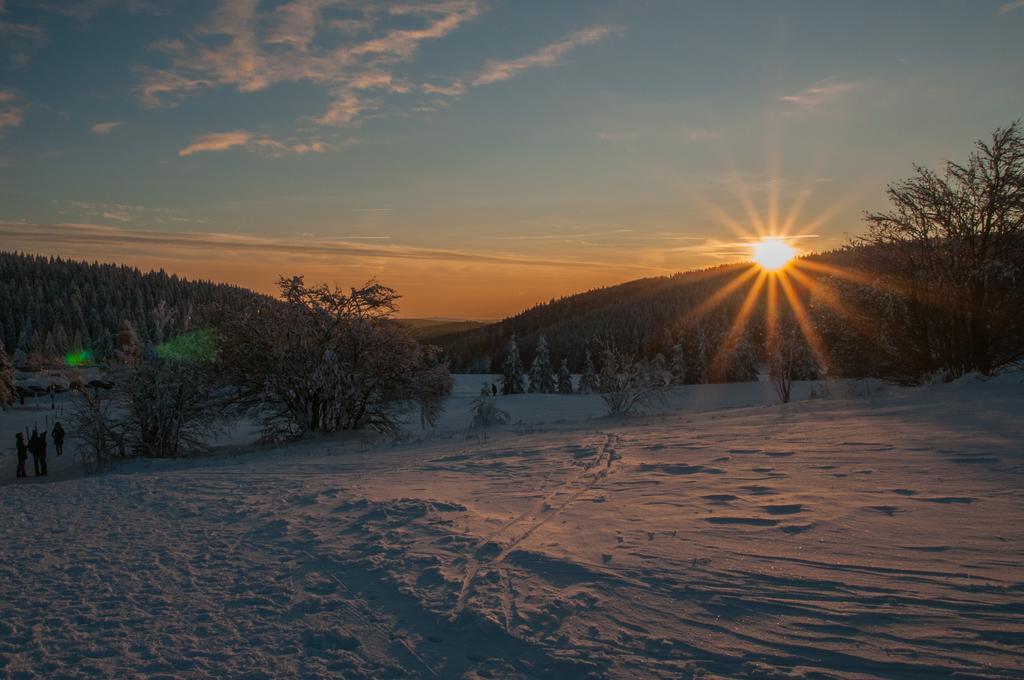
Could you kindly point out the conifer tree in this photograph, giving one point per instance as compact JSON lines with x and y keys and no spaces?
{"x":564,"y":379}
{"x":589,"y":381}
{"x":512,"y":375}
{"x":678,"y":364}
{"x":542,"y":378}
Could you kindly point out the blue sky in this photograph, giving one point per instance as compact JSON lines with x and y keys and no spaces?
{"x":479,"y":155}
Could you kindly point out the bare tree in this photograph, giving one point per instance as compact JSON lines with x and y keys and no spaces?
{"x":324,"y":360}
{"x":789,"y":356}
{"x":167,"y":407}
{"x":97,"y":429}
{"x":952,"y":246}
{"x":161,"y":408}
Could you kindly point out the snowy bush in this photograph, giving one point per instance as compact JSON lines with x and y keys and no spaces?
{"x":485,"y":411}
{"x":325,"y":361}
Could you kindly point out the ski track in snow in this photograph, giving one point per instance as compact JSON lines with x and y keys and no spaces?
{"x":836,"y":538}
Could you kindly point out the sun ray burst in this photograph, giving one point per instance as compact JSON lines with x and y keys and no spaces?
{"x":739,"y":325}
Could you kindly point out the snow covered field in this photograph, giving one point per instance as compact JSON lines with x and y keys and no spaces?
{"x":868,"y":534}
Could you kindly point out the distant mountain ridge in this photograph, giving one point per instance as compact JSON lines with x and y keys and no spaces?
{"x":645,"y":317}
{"x":427,"y":330}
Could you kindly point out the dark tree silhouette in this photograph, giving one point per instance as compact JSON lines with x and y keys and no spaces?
{"x":952,"y":247}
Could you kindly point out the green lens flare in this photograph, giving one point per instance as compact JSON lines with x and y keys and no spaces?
{"x":79,"y":357}
{"x":198,"y":347}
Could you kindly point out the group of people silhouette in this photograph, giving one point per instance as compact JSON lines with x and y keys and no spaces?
{"x":36,"y":446}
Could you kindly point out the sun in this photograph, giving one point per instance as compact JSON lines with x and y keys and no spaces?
{"x":772,"y":254}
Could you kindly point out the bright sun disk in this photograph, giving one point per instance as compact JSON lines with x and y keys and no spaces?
{"x":773,"y":253}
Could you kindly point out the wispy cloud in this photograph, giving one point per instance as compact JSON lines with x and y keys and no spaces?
{"x":818,"y":95}
{"x":105,"y":128}
{"x":216,"y":141}
{"x":548,"y":55}
{"x":1008,"y":7}
{"x":358,"y":60}
{"x":123,"y":212}
{"x":11,"y":113}
{"x":242,"y":47}
{"x":225,"y":141}
{"x":453,"y":89}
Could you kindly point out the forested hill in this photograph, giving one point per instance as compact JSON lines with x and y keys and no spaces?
{"x":51,"y":306}
{"x":645,"y":317}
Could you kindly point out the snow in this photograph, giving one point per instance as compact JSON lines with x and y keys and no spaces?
{"x":867,"y":533}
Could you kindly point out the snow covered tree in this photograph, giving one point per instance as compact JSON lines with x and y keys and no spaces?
{"x":542,"y":376}
{"x":677,"y":366}
{"x":564,"y":379}
{"x":590,"y":382}
{"x":323,"y":360}
{"x":8,"y":389}
{"x":629,"y":386}
{"x":128,"y":351}
{"x":659,"y":370}
{"x":485,"y":411}
{"x":512,"y":374}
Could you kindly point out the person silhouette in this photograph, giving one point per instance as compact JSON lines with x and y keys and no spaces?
{"x":36,"y":450}
{"x":58,"y":437}
{"x":19,"y":440}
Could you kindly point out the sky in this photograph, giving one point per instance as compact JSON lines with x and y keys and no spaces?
{"x":480,"y":156}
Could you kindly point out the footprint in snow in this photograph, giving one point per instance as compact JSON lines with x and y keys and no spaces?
{"x":790,"y":509}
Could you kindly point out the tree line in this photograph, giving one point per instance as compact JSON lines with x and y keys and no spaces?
{"x":51,"y":306}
